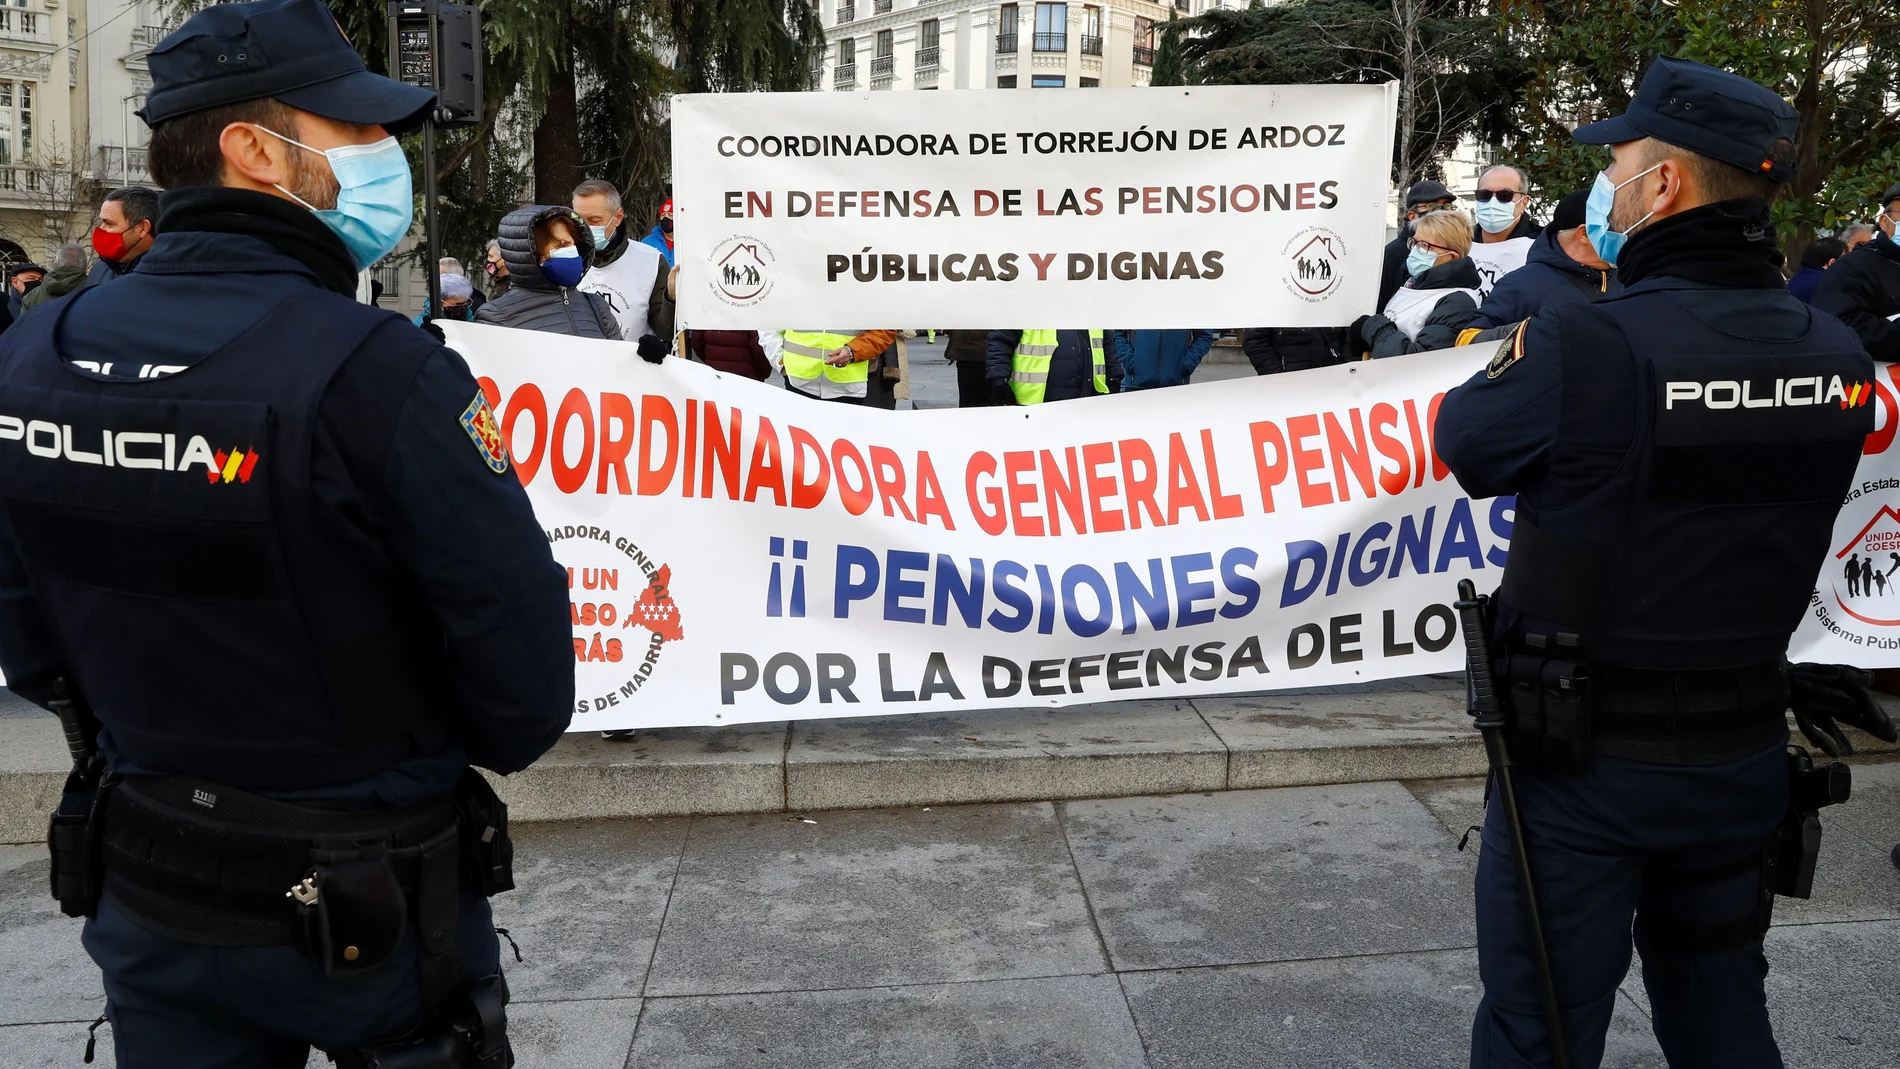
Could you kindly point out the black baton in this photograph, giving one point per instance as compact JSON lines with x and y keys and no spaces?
{"x":77,"y":721}
{"x":1488,"y":712}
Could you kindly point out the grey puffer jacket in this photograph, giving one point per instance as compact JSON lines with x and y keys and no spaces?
{"x":534,"y":303}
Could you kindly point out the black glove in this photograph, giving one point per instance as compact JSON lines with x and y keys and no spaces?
{"x":1372,"y":326}
{"x":1823,"y":696}
{"x":651,"y":348}
{"x":429,"y":327}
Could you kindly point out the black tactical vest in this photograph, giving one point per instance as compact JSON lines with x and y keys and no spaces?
{"x":1703,"y":549}
{"x":221,"y":623}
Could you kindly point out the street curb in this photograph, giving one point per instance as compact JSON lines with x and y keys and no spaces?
{"x":1398,"y":730}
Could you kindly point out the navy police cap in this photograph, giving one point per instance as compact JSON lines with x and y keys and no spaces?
{"x":289,"y":49}
{"x":1708,"y":111}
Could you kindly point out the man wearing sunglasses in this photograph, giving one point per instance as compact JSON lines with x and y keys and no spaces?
{"x":1502,"y":238}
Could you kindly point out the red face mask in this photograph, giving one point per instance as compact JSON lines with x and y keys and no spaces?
{"x":109,"y":244}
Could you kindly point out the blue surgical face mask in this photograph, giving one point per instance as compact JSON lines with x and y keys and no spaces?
{"x":1495,"y":216}
{"x":1419,"y":261}
{"x":375,"y":203}
{"x":600,"y":236}
{"x":564,"y":266}
{"x":1596,"y":217}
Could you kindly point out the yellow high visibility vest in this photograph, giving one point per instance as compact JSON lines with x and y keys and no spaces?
{"x":805,"y":367}
{"x":1029,"y":368}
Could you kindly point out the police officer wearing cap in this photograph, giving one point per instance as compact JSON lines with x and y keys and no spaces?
{"x":268,"y":538}
{"x":1679,"y":453}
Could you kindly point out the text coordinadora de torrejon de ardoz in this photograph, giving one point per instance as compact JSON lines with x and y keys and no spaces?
{"x":1034,"y":142}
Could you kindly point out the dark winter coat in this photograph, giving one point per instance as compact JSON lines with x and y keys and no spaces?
{"x":1548,"y":279}
{"x":1448,"y":318}
{"x":736,"y":352}
{"x":534,"y":303}
{"x":1862,"y":289}
{"x":962,"y":346}
{"x":1272,"y":350}
{"x":1152,"y":358}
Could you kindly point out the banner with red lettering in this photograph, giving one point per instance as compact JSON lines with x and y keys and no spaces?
{"x":736,"y":552}
{"x":1194,"y":207}
{"x":739,"y":553}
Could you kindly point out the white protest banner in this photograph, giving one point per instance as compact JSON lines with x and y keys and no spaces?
{"x":1854,"y":616}
{"x":740,"y":553}
{"x":1125,"y":208}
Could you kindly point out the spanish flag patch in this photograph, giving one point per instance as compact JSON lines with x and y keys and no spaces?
{"x":1510,"y":351}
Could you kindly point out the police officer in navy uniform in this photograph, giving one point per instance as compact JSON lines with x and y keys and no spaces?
{"x":271,"y":537}
{"x":1679,"y":453}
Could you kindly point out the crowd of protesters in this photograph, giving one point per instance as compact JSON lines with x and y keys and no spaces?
{"x":1449,"y":278}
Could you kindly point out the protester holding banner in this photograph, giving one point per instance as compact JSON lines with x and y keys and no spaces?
{"x":548,"y":250}
{"x":635,"y":278}
{"x":1562,"y":268}
{"x":1502,"y":237}
{"x":1663,"y":550}
{"x":1431,"y":310}
{"x":1029,"y":367}
{"x":833,"y":365}
{"x":1422,"y":199}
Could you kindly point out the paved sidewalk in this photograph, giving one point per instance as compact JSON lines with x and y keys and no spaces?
{"x":1308,"y":927}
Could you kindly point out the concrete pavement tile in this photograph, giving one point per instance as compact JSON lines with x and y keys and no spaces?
{"x":1831,"y":994}
{"x":1410,"y":1010}
{"x":48,"y":975}
{"x":1873,"y":812}
{"x":657,"y":773}
{"x":1270,"y":875}
{"x":1457,"y":803}
{"x":592,"y":1034}
{"x":33,"y":767}
{"x":1089,"y":751}
{"x":1396,"y":729}
{"x":1079,"y":1022}
{"x":587,"y":905}
{"x":772,"y":903}
{"x":53,"y":1046}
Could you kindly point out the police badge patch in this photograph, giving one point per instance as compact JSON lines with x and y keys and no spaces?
{"x":1509,"y":353}
{"x":485,"y":431}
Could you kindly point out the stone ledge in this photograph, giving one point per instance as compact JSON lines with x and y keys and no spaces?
{"x":1408,"y":729}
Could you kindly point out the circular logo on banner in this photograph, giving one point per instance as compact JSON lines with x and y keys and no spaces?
{"x":1861,"y":577}
{"x":1314,"y":259}
{"x":741,"y":270}
{"x":620,"y":602}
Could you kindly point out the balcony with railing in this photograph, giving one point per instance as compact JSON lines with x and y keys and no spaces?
{"x":927,"y":58}
{"x":883,"y":70}
{"x":112,"y":163}
{"x":845,"y":76}
{"x":847,"y":12}
{"x":1144,"y":57}
{"x":1005,"y":44}
{"x":880,"y":7}
{"x":1091,"y":46}
{"x":1052,"y":42}
{"x":27,"y":27}
{"x":1181,"y":6}
{"x":144,"y":39}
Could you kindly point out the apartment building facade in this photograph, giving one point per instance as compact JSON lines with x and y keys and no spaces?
{"x":971,"y":44}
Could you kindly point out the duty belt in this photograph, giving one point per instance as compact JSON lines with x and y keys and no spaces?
{"x":215,"y":866}
{"x":1691,"y":717}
